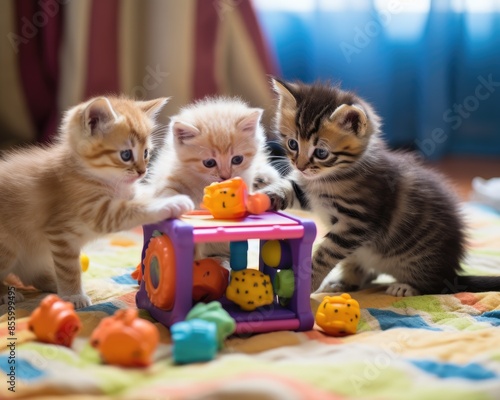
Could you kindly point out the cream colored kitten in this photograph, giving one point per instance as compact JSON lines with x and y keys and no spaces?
{"x":55,"y":199}
{"x":210,"y":141}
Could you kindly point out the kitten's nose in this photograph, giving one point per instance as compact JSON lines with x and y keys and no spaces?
{"x":141,"y":172}
{"x":224,"y":177}
{"x":302,"y":166}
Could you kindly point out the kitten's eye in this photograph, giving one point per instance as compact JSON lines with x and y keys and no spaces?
{"x":292,"y":144}
{"x":321,"y":154}
{"x":237,"y":160}
{"x":126,"y":155}
{"x":210,"y":163}
{"x":146,"y":153}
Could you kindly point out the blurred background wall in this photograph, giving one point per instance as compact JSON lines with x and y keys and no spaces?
{"x":57,"y":53}
{"x":431,"y":68}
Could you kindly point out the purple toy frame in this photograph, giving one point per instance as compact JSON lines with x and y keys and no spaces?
{"x":300,"y":233}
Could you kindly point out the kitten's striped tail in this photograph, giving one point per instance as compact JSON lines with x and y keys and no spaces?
{"x":474,"y":284}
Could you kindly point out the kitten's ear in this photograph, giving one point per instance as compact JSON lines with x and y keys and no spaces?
{"x":99,"y":116}
{"x":350,"y":118}
{"x":183,"y":131}
{"x":153,"y":107}
{"x":285,"y":92}
{"x":249,"y":123}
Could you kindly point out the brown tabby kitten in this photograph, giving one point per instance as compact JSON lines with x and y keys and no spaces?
{"x":55,"y":199}
{"x":212,"y":140}
{"x":385,"y":212}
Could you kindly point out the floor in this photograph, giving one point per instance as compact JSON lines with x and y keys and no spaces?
{"x":461,"y":171}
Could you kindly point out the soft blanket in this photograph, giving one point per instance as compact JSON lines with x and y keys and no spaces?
{"x":424,"y":347}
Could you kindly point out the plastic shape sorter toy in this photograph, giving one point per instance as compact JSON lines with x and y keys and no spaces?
{"x":167,"y":266}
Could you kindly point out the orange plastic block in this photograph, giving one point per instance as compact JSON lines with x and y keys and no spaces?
{"x":338,"y":315}
{"x":210,"y":280}
{"x":230,"y":199}
{"x":126,"y":340}
{"x":226,"y":199}
{"x":55,"y":321}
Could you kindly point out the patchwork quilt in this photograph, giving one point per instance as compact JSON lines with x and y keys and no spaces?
{"x":424,"y":347}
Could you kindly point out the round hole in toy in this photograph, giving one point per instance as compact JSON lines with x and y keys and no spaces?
{"x":277,"y":254}
{"x":155,"y":272}
{"x":159,"y":272}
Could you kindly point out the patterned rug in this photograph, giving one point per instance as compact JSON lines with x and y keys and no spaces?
{"x":424,"y":347}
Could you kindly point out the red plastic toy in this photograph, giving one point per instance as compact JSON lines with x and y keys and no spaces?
{"x":55,"y":321}
{"x":210,"y":280}
{"x":126,"y":340}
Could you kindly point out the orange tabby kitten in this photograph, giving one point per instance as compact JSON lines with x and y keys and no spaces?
{"x":55,"y":199}
{"x":210,"y":141}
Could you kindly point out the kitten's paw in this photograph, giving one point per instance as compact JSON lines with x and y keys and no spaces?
{"x":263,"y":180}
{"x":401,"y":290}
{"x":78,"y":300}
{"x":259,"y":183}
{"x":174,"y":207}
{"x":181,"y":204}
{"x":337,"y":287}
{"x":18,"y":297}
{"x":277,"y":202}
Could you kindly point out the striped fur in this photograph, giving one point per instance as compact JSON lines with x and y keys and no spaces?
{"x":57,"y":198}
{"x":218,"y":129}
{"x":384,"y":211}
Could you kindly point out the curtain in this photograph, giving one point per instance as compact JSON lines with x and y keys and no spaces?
{"x":59,"y":53}
{"x":431,"y":68}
